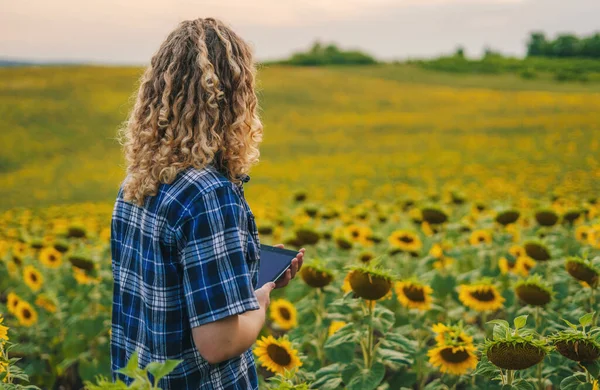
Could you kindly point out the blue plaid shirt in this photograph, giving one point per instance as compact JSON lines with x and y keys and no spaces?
{"x":189,"y":257}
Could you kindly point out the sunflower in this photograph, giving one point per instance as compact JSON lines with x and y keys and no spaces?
{"x":537,"y":251}
{"x":335,"y":326}
{"x":546,"y":217}
{"x":45,"y":304}
{"x":26,"y":314}
{"x":577,"y":347}
{"x":582,"y":270}
{"x":506,"y":266}
{"x":443,"y":262}
{"x":3,"y":332}
{"x":405,"y":241}
{"x":480,"y":296}
{"x":517,"y":251}
{"x":507,"y":217}
{"x":315,"y":274}
{"x":369,"y":282}
{"x":582,"y":233}
{"x":524,"y":265}
{"x":12,"y":300}
{"x":33,"y":278}
{"x":456,"y":360}
{"x":446,"y":335}
{"x":283,"y":313}
{"x":414,"y":295}
{"x":480,"y":237}
{"x":359,"y":234}
{"x":50,"y":257}
{"x":19,"y":249}
{"x":366,"y":256}
{"x":82,"y":278}
{"x":433,"y":216}
{"x":515,"y":354}
{"x":277,"y":355}
{"x":533,"y":291}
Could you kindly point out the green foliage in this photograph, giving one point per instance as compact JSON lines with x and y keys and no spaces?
{"x":141,"y":380}
{"x":564,"y":45}
{"x":320,"y":54}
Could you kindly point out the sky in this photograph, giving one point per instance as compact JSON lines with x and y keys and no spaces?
{"x":130,"y":31}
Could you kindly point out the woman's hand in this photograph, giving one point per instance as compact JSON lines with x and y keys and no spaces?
{"x":294,"y":268}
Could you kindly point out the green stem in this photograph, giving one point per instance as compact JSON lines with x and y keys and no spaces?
{"x":370,"y":337}
{"x":509,"y":377}
{"x":593,"y":304}
{"x":539,"y":376}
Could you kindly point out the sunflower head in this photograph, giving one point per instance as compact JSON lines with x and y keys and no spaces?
{"x":82,"y":262}
{"x":76,"y":230}
{"x":413,"y":294}
{"x":50,"y":257}
{"x":370,"y":281}
{"x":533,"y":291}
{"x":582,"y":270}
{"x":61,"y":245}
{"x":515,"y":349}
{"x":507,"y":217}
{"x":451,"y":334}
{"x":454,"y":356}
{"x":480,"y":237}
{"x":316,"y":274}
{"x":12,"y":300}
{"x":405,"y":241}
{"x":283,"y":313}
{"x":481,"y":296}
{"x":306,"y":235}
{"x":365,"y":257}
{"x":33,"y":278}
{"x":434,"y":215}
{"x":26,"y":314}
{"x":577,"y":344}
{"x":546,"y":217}
{"x":571,"y":215}
{"x":582,"y":233}
{"x":335,"y":326}
{"x":277,"y":355}
{"x":537,"y":251}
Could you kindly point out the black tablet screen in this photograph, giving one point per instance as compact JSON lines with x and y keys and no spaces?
{"x":273,"y":263}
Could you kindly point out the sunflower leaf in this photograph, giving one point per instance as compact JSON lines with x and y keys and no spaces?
{"x":587,"y":319}
{"x":390,"y":355}
{"x":520,"y":321}
{"x":593,"y":368}
{"x":367,"y":379}
{"x":575,"y":382}
{"x":486,"y":369}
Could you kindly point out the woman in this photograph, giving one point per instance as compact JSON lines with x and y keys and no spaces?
{"x":185,"y":248}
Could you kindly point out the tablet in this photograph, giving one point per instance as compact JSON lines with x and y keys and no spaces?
{"x":273,"y":263}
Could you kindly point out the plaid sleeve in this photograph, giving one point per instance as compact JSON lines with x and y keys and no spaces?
{"x":216,"y":277}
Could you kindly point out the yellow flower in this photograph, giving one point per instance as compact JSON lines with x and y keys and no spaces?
{"x":446,"y":335}
{"x":45,"y":303}
{"x":582,"y":233}
{"x":456,"y":360}
{"x":283,"y":313}
{"x":517,"y":251}
{"x":480,"y":297}
{"x":436,"y":251}
{"x":335,"y":326}
{"x":480,"y":237}
{"x":105,"y":234}
{"x":11,"y":302}
{"x":82,"y":278}
{"x":50,"y":257}
{"x":33,"y":278}
{"x":524,"y":265}
{"x":26,"y":314}
{"x":3,"y":332}
{"x":359,"y":234}
{"x":276,"y":355}
{"x":443,"y":262}
{"x":405,"y":241}
{"x":414,"y":295}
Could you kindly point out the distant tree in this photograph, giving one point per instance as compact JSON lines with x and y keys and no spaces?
{"x":460,"y":52}
{"x":590,"y":46}
{"x":566,"y":45}
{"x":537,"y":45}
{"x":330,"y":54}
{"x":488,"y":53}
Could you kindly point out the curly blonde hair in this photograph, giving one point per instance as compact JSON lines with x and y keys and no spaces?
{"x":196,"y":106}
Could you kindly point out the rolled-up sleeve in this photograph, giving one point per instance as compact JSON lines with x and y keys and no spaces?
{"x":216,"y":277}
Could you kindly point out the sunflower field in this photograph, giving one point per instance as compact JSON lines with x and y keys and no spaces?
{"x":451,"y":225}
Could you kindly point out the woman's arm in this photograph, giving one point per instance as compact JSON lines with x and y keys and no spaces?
{"x":231,"y":336}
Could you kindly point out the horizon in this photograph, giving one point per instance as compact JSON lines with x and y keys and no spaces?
{"x":113,"y":32}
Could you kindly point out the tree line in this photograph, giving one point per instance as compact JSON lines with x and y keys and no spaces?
{"x":563,"y":46}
